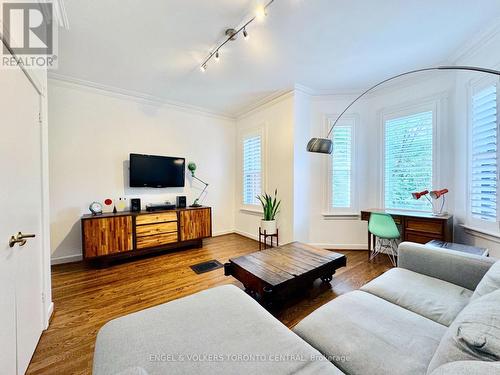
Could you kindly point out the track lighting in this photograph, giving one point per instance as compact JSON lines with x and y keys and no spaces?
{"x":232,"y":34}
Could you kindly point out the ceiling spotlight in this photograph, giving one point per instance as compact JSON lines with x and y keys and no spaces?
{"x":203,"y":68}
{"x":217,"y":56}
{"x":260,"y":13}
{"x":245,"y":34}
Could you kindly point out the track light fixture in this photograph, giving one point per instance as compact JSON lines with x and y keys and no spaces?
{"x":233,"y":33}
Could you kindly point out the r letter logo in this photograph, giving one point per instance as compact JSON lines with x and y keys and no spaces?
{"x":29,"y":34}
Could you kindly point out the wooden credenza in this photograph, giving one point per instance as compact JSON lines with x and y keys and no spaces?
{"x":127,"y":234}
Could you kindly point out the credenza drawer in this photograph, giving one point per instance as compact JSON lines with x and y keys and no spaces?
{"x":151,"y":229}
{"x":426,"y":226}
{"x":157,"y":240}
{"x":156,"y":218}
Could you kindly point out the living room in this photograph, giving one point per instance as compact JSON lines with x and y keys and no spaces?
{"x":250,"y":187}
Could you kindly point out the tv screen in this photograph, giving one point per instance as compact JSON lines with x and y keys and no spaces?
{"x":156,"y":171}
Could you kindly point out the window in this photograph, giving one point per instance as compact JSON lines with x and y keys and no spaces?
{"x":252,"y":169}
{"x":340,"y":171}
{"x":484,"y":154}
{"x":408,"y":160}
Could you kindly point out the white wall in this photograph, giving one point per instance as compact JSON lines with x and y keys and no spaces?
{"x":301,"y":176}
{"x":277,"y":118}
{"x":91,"y":134}
{"x":302,"y":182}
{"x":351,"y":232}
{"x":484,"y":53}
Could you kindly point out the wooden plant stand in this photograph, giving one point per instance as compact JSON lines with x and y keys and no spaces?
{"x":263,"y":234}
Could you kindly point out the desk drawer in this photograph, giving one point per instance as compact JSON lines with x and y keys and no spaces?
{"x":157,"y":240}
{"x":156,"y":218}
{"x":151,"y":229}
{"x":420,"y":237}
{"x":425,"y":226}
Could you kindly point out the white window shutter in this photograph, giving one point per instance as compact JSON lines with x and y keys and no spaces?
{"x":408,"y":160}
{"x":252,"y":169}
{"x":341,"y":167}
{"x":483,"y":179}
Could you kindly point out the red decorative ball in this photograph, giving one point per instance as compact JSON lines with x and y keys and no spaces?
{"x":108,"y":202}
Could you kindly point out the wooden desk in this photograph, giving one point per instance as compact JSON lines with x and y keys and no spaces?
{"x":416,"y":226}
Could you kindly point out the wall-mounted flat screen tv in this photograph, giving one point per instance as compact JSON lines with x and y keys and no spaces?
{"x":156,"y":171}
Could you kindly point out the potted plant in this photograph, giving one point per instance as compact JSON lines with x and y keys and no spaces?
{"x":271,"y":209}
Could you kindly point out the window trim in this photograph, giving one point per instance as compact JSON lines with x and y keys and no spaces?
{"x":427,"y":105}
{"x":474,"y":86}
{"x":344,"y":212}
{"x":261,"y":131}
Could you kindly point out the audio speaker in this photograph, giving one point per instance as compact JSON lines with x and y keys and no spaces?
{"x":181,"y":201}
{"x":135,"y":205}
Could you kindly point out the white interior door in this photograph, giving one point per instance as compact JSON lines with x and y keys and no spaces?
{"x":21,"y":305}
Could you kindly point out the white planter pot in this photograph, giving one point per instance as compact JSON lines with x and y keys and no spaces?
{"x":269,"y":226}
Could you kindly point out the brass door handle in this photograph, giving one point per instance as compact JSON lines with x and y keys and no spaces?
{"x":20,"y":238}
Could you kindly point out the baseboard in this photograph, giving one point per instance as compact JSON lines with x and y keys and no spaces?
{"x":336,"y":246}
{"x":66,"y":259}
{"x":248,"y":235}
{"x":50,"y":311}
{"x":79,"y":257}
{"x":223,"y":233}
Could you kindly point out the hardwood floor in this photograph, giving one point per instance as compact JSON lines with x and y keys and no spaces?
{"x":85,"y":298}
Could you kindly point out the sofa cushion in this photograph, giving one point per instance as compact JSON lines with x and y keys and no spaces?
{"x":489,"y":283}
{"x":364,"y":334}
{"x":217,"y":331}
{"x":133,"y":371}
{"x":474,"y":335}
{"x":468,"y":368}
{"x":435,"y":299}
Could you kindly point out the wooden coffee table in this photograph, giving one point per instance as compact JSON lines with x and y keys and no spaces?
{"x":274,"y":274}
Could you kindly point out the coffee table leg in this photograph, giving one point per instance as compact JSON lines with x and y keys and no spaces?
{"x":327,"y":279}
{"x":268,"y":296}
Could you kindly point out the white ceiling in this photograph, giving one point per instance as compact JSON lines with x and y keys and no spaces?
{"x":154,"y":47}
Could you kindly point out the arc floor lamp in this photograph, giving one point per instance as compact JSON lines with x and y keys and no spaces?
{"x":325,"y":145}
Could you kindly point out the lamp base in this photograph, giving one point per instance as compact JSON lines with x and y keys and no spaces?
{"x":195,"y":205}
{"x":439,"y":214}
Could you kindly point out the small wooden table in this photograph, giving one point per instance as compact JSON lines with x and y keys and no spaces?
{"x":274,"y":274}
{"x":459,"y":247}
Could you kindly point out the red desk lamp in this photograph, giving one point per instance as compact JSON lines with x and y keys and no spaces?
{"x":436,"y":194}
{"x":420,"y":194}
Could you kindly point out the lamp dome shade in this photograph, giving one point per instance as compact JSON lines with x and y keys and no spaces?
{"x":436,"y":194}
{"x":192,"y":167}
{"x":419,"y":194}
{"x":320,"y":145}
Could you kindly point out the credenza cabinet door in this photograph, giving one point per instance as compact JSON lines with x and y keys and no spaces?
{"x":106,"y":236}
{"x":195,"y":224}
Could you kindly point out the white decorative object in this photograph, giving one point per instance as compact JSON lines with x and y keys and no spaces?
{"x":269,"y":226}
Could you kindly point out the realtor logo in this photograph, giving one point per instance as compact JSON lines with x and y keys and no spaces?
{"x":29,"y":34}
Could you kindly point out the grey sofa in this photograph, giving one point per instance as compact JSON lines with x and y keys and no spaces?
{"x":437,"y":313}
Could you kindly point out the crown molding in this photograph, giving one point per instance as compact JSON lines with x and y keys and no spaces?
{"x":338,"y":94}
{"x":139,"y":97}
{"x":263,"y":103}
{"x":470,"y":47}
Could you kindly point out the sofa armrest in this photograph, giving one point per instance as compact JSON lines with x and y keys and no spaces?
{"x":458,"y":268}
